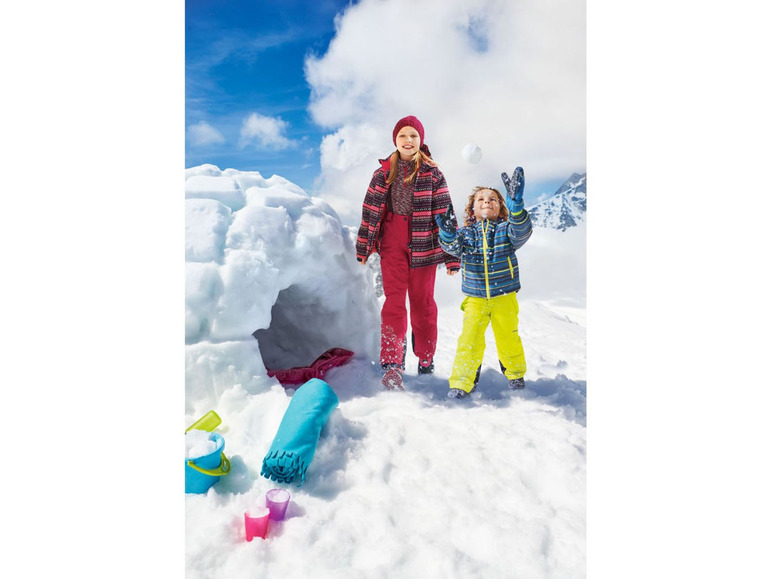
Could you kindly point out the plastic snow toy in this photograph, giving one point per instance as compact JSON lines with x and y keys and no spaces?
{"x":256,"y":522}
{"x":277,"y":500}
{"x":204,"y":469}
{"x":208,"y":422}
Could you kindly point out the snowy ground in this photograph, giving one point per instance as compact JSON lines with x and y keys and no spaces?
{"x":403,"y":484}
{"x":412,"y":484}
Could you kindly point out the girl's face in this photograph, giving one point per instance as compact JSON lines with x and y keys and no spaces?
{"x":408,"y":143}
{"x":486,"y":205}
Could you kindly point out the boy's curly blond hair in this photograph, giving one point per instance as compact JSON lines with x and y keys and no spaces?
{"x":469,"y":209}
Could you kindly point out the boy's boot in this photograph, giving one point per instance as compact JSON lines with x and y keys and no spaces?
{"x":514,"y":383}
{"x":517,"y":384}
{"x":458,"y":393}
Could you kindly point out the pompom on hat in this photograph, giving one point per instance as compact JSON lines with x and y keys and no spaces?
{"x":411,"y":121}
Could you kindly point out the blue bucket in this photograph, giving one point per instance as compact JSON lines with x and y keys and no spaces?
{"x":203,"y":471}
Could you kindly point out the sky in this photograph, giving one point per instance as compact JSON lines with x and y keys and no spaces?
{"x":312,"y":92}
{"x":403,"y":484}
{"x":246,"y":97}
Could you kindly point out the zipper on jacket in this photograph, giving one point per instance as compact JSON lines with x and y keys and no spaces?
{"x":484,"y":230}
{"x":511,"y":269}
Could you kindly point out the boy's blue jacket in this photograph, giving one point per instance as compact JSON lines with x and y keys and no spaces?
{"x":487,"y":252}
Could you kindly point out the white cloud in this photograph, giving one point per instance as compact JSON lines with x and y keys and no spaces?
{"x":348,"y":158}
{"x":202,"y":133}
{"x":265,"y":132}
{"x":508,"y":76}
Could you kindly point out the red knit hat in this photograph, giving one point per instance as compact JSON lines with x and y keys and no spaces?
{"x":411,"y":121}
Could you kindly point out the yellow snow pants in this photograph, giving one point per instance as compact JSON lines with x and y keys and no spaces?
{"x":502,"y":313}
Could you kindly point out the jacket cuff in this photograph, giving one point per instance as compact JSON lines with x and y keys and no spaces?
{"x":519,"y":217}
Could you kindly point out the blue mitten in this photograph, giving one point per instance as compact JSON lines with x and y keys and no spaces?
{"x":515,"y":187}
{"x":445,"y":223}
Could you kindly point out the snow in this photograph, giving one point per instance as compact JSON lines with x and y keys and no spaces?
{"x":211,"y":218}
{"x":566,"y":208}
{"x":555,"y":267}
{"x":277,"y":496}
{"x":223,"y":189}
{"x":257,"y":512}
{"x":199,"y":443}
{"x":402,"y":484}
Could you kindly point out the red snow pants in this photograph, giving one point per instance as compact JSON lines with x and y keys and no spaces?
{"x":399,"y":279}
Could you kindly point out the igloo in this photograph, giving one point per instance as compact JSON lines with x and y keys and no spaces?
{"x":271,"y":282}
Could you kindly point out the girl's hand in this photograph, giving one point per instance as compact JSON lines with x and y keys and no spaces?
{"x":452,"y":271}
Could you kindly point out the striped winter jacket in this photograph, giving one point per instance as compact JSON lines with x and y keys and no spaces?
{"x":487,"y":251}
{"x":430,"y":198}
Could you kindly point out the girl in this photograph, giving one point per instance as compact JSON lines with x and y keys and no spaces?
{"x":494,"y":228}
{"x":405,"y":194}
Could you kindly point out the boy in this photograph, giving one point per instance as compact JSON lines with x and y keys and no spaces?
{"x":494,"y":228}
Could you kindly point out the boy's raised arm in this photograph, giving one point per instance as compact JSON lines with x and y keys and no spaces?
{"x":515,"y":188}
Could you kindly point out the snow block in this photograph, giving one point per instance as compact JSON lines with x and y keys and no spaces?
{"x":223,"y":189}
{"x":206,"y":224}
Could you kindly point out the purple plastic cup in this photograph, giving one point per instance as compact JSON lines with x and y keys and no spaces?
{"x":256,"y":523}
{"x":277,"y":500}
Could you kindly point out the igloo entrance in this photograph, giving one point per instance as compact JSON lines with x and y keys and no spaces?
{"x":302,"y":328}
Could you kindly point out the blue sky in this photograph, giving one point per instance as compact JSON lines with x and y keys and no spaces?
{"x":246,"y":57}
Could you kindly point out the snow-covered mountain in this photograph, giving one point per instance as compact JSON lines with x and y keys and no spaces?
{"x":566,"y":208}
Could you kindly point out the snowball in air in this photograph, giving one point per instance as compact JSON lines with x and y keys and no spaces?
{"x":471,"y":153}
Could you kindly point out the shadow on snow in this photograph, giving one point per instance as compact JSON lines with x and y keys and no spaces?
{"x":363,"y":378}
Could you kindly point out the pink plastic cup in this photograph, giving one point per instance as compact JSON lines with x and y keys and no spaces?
{"x":256,"y":522}
{"x":277,"y":500}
